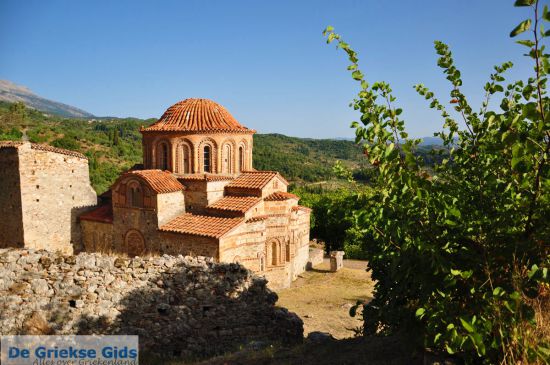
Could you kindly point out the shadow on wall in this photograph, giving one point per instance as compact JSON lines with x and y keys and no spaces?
{"x":76,"y":230}
{"x":195,"y":311}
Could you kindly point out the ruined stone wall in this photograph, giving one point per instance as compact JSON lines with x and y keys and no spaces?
{"x":54,"y":190}
{"x":11,"y":218}
{"x":177,"y":305}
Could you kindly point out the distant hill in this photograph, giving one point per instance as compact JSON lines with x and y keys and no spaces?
{"x":13,"y":93}
{"x":113,"y":145}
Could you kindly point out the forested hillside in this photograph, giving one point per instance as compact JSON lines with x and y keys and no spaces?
{"x":113,"y":145}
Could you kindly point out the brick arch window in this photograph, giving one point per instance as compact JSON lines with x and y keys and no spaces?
{"x":163,"y":156}
{"x":275,"y":252}
{"x":135,"y":243}
{"x":134,"y":194}
{"x":227,"y":163}
{"x":183,"y":158}
{"x":207,"y":158}
{"x":241,"y":158}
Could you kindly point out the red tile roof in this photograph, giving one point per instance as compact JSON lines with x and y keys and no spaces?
{"x":104,"y":214}
{"x":257,"y":218}
{"x":197,"y":115}
{"x":280,"y":196}
{"x":254,"y":179}
{"x":42,"y":147}
{"x":239,"y":204}
{"x":205,"y":177}
{"x":201,"y":225}
{"x":159,"y":181}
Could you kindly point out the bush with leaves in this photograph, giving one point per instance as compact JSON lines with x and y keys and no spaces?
{"x":460,"y":255}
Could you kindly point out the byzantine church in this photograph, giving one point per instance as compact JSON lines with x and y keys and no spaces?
{"x":197,"y":193}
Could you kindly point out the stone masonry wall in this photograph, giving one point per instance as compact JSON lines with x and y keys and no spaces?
{"x":177,"y":305}
{"x":55,"y":190}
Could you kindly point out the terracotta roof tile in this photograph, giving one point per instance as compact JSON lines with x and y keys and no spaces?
{"x":158,"y":180}
{"x":104,"y":214}
{"x":197,"y":115}
{"x":201,"y":225}
{"x":42,"y":147}
{"x":239,"y":204}
{"x":10,"y":144}
{"x":280,"y":196}
{"x":257,"y":218}
{"x":205,"y":177}
{"x":254,"y":179}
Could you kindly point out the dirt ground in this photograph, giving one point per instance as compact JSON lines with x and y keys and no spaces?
{"x":323,"y":298}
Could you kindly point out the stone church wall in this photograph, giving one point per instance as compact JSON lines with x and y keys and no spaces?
{"x":97,"y":236}
{"x":177,"y":305}
{"x":169,"y":206}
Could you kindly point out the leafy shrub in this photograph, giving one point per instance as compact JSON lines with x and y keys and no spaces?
{"x":460,"y":256}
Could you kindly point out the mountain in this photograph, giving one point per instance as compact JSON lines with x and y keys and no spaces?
{"x":12,"y":93}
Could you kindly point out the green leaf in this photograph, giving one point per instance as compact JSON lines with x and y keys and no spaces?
{"x":526,"y":42}
{"x":522,"y":27}
{"x":455,"y":212}
{"x":467,"y":326}
{"x":420,"y":312}
{"x":357,"y":75}
{"x":449,"y":350}
{"x":546,"y":14}
{"x":524,"y":2}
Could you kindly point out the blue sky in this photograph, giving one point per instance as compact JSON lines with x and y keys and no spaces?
{"x":266,"y":61}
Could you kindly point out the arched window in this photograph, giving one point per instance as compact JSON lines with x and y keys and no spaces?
{"x":186,"y":155}
{"x":227,"y":160}
{"x":207,"y":159}
{"x":183,"y":158}
{"x":134,"y":195}
{"x":162,"y":159}
{"x":274,"y":253}
{"x":241,"y":158}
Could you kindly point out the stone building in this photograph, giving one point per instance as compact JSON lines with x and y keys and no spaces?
{"x":198,"y":194}
{"x":42,"y":192}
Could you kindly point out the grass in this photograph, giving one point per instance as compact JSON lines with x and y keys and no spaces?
{"x":323,"y":299}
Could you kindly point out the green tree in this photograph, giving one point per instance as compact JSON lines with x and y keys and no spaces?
{"x":461,"y":257}
{"x":17,"y":115}
{"x":115,"y":137}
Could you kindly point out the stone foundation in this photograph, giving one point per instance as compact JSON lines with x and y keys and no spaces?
{"x":177,"y":305}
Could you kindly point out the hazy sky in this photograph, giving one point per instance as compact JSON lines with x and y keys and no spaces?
{"x":266,"y":61}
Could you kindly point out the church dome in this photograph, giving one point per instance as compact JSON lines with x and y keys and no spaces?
{"x":197,"y":115}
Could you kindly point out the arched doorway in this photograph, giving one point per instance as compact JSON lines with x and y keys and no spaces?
{"x":135,"y":243}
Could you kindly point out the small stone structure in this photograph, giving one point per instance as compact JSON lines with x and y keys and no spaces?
{"x":43,"y":190}
{"x":316,"y":256}
{"x":336,"y":260}
{"x":177,"y":305}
